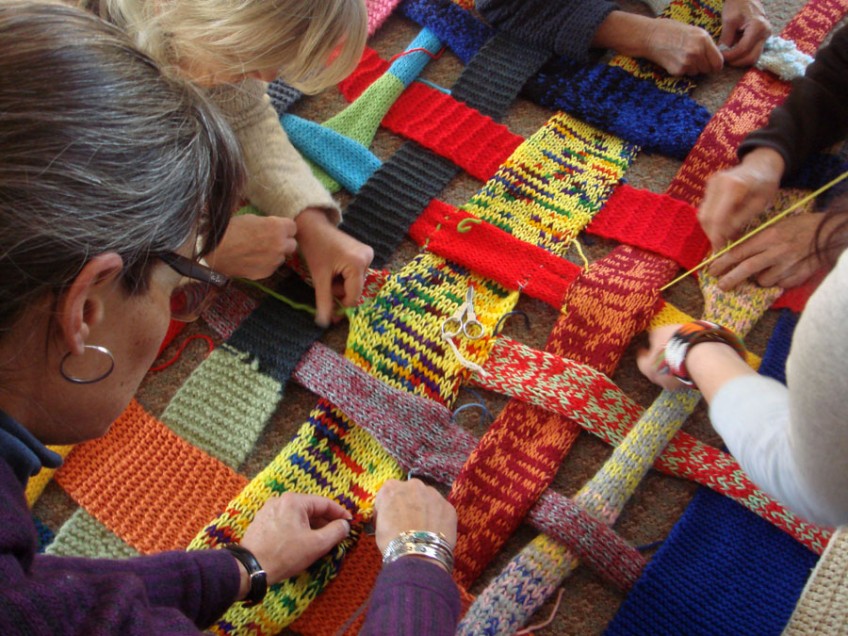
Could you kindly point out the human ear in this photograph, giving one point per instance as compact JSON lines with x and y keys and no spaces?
{"x":82,"y":305}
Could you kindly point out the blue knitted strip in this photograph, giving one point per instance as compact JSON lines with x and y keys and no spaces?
{"x":607,"y":97}
{"x":282,"y":95}
{"x":408,"y":67}
{"x":345,"y":160}
{"x":722,"y":570}
{"x":774,"y":359}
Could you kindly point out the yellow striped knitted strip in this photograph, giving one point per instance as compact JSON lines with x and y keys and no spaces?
{"x":397,"y":336}
{"x":329,"y":456}
{"x":554,"y":183}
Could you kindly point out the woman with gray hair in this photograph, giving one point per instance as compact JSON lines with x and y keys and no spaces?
{"x":114,"y":181}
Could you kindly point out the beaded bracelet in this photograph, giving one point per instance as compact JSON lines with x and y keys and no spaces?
{"x":431,"y":545}
{"x":689,"y":335}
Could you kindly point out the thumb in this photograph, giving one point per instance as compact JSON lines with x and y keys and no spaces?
{"x":330,"y":535}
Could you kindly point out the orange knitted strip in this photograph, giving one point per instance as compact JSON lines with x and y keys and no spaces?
{"x":146,"y":484}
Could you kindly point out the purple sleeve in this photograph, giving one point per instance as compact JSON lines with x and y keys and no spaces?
{"x":412,"y":598}
{"x":171,"y":593}
{"x":815,"y":115}
{"x":565,"y":27}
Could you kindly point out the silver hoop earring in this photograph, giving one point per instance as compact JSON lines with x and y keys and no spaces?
{"x":78,"y":380}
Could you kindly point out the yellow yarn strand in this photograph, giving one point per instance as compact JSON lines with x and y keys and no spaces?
{"x":758,"y":229}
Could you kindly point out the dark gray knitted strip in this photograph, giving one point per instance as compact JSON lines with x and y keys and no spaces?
{"x":394,"y":196}
{"x":282,"y":96}
{"x":277,"y":335}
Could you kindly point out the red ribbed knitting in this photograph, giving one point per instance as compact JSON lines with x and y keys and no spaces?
{"x":493,"y":253}
{"x":654,"y":222}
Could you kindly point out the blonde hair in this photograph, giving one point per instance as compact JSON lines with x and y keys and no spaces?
{"x":313,"y":43}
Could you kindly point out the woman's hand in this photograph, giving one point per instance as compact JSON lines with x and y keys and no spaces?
{"x":292,"y":531}
{"x":337,"y":263}
{"x":401,"y":506}
{"x":254,"y":246}
{"x":744,"y":30}
{"x":735,"y":197}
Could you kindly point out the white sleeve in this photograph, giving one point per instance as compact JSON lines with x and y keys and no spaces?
{"x":751,"y":413}
{"x":793,"y":442}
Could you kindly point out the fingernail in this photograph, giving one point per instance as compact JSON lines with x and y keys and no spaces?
{"x":347,"y":526}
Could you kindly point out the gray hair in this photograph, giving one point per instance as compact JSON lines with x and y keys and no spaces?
{"x":99,"y":152}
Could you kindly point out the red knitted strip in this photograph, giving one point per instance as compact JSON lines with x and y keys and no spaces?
{"x":796,"y":298}
{"x":654,"y":222}
{"x":511,"y":467}
{"x":493,"y":253}
{"x":161,"y":488}
{"x":606,"y":307}
{"x":750,"y":103}
{"x":437,"y":121}
{"x":174,"y":329}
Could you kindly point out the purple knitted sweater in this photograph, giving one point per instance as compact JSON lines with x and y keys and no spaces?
{"x":565,"y":27}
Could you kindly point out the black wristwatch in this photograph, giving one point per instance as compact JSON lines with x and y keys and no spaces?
{"x":258,"y":578}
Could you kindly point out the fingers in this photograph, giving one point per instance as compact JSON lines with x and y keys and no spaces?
{"x":316,"y":506}
{"x":412,"y":505}
{"x":323,"y":282}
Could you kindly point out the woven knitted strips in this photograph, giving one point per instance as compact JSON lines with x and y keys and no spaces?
{"x":553,"y":184}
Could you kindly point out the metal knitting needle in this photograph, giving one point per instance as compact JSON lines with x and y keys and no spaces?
{"x":757,"y":229}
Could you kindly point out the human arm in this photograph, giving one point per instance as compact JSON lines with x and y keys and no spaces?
{"x":413,"y":595}
{"x":793,"y":441}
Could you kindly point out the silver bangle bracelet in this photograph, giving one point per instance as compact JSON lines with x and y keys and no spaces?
{"x":420,"y":543}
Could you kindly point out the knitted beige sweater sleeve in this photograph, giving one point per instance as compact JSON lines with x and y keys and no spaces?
{"x":280,"y":182}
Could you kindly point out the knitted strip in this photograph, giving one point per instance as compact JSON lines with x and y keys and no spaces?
{"x":391,"y":200}
{"x":397,"y":336}
{"x":223,"y":406}
{"x":654,"y":222}
{"x":422,"y":437}
{"x":337,"y":161}
{"x":750,"y":103}
{"x":45,"y":534}
{"x":228,"y":311}
{"x":823,"y":607}
{"x":282,"y":95}
{"x":491,"y":252}
{"x":553,"y":184}
{"x":610,"y":98}
{"x":721,"y":570}
{"x":147,"y":485}
{"x":451,"y":129}
{"x":37,"y":483}
{"x":783,"y":58}
{"x":795,"y":299}
{"x":378,"y":11}
{"x":83,"y":535}
{"x":329,"y":456}
{"x":780,"y":341}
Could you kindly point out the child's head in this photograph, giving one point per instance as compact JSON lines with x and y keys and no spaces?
{"x":311,"y":44}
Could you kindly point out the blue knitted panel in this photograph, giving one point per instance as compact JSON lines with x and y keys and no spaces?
{"x":45,"y":534}
{"x":722,"y":570}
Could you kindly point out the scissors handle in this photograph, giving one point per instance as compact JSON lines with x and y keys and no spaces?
{"x":452,"y":327}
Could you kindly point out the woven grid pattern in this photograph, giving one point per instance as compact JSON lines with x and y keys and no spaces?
{"x":384,"y":408}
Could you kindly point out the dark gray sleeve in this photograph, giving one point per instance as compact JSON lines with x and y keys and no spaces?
{"x":565,"y":27}
{"x":815,"y":115}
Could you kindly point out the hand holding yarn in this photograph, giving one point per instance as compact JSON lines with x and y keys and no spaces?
{"x":254,"y":246}
{"x":744,"y":30}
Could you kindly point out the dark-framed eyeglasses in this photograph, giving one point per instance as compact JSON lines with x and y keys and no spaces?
{"x":197,"y":288}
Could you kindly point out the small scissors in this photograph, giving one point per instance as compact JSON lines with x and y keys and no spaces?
{"x":464,"y":321}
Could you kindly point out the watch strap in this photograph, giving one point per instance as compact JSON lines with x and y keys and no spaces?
{"x":258,"y":577}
